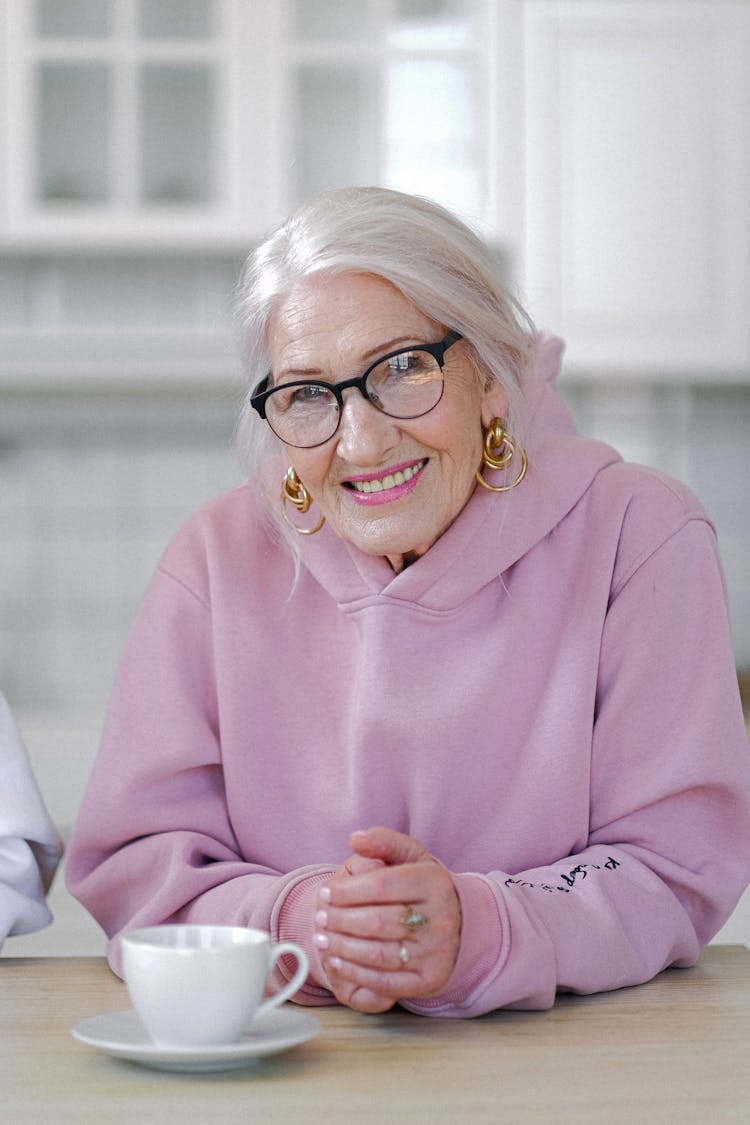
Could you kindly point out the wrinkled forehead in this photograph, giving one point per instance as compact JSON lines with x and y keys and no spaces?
{"x":344,"y":320}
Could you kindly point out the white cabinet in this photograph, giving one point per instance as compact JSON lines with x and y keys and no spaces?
{"x":637,"y":244}
{"x":134,"y":122}
{"x":121,"y":121}
{"x":604,"y":145}
{"x":146,"y":144}
{"x":384,"y":93}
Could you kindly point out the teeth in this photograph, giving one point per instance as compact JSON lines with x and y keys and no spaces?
{"x":390,"y":481}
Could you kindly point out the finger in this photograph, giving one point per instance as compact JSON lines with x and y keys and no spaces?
{"x":382,"y":886}
{"x":395,"y":983}
{"x":388,"y":845}
{"x":362,"y":999}
{"x":381,"y":956}
{"x":435,"y":951}
{"x":358,"y":865}
{"x":381,"y":923}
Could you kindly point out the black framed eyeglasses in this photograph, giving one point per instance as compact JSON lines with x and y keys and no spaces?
{"x":403,"y":384}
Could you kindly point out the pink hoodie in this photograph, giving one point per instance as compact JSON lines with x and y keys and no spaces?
{"x":546,"y":700}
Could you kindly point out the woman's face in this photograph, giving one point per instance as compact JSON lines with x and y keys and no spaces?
{"x":333,"y":328}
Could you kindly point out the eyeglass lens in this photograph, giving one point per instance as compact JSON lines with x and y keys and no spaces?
{"x":405,"y":385}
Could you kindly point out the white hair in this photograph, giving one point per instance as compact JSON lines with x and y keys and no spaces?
{"x":428,"y":254}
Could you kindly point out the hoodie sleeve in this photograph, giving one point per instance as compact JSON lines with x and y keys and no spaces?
{"x":154,"y":841}
{"x":668,"y":853}
{"x":30,"y":847}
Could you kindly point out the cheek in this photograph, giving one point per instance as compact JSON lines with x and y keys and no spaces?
{"x":312,"y":465}
{"x":458,"y":441}
{"x":456,"y":430}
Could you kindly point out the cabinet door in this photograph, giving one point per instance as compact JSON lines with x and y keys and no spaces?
{"x":638,"y":164}
{"x":131,"y":121}
{"x":120,"y":119}
{"x":392,"y":92}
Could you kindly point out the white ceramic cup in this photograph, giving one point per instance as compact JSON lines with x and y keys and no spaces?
{"x":199,"y":985}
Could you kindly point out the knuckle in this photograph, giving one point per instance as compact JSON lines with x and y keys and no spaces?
{"x":378,"y":926}
{"x":381,"y":959}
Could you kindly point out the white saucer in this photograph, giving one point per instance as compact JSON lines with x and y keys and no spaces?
{"x":122,"y":1034}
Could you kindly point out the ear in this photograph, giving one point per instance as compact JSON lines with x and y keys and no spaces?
{"x":494,"y":403}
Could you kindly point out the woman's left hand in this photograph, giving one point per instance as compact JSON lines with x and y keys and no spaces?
{"x":371,"y":956}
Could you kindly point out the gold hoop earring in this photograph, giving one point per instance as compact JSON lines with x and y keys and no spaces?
{"x":293,"y":490}
{"x":498,"y":454}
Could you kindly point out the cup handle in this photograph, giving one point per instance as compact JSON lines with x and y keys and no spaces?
{"x":291,"y":986}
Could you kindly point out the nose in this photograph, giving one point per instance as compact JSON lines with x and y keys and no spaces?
{"x":365,"y":434}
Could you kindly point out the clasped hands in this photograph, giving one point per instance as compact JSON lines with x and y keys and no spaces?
{"x":371,"y":957}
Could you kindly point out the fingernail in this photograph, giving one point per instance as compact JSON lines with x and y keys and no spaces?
{"x":335,"y":962}
{"x":321,"y":940}
{"x":321,"y":919}
{"x":324,"y":894}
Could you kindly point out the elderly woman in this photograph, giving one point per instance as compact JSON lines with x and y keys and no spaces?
{"x":445,"y":693}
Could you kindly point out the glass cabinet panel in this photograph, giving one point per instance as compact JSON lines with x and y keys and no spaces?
{"x":176,"y":128}
{"x":408,"y":23}
{"x":176,"y":19}
{"x":69,"y":18}
{"x":73,"y":134}
{"x":332,"y":135}
{"x":316,"y":20}
{"x":124,"y":99}
{"x":387,"y":92}
{"x":432,"y":23}
{"x":430,"y":143}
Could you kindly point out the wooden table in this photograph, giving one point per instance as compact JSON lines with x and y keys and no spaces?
{"x":674,"y":1050}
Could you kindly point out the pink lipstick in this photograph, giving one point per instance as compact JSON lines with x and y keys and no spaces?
{"x":382,"y":488}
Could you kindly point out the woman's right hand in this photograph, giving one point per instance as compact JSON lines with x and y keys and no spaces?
{"x":358,"y":865}
{"x":371,"y":956}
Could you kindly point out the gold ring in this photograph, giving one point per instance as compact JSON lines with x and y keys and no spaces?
{"x":403,"y":955}
{"x":413,"y":920}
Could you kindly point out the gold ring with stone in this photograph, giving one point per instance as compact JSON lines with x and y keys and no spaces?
{"x":413,"y":920}
{"x":403,"y":955}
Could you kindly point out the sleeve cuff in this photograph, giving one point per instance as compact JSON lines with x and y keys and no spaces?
{"x":293,"y":920}
{"x":482,"y":935}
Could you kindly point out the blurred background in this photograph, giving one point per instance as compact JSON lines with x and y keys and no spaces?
{"x":602,"y":146}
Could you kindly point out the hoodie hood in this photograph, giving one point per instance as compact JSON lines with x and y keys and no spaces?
{"x":494,"y":530}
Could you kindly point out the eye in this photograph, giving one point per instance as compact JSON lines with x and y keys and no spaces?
{"x":408,"y":363}
{"x":304,"y":395}
{"x":310,"y":393}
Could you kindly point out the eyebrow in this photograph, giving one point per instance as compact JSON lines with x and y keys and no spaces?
{"x":383,"y":349}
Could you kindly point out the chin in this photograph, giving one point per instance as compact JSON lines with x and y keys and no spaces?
{"x":379,"y":545}
{"x":386,"y":535}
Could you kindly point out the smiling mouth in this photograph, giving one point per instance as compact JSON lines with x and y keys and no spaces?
{"x":391,"y":480}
